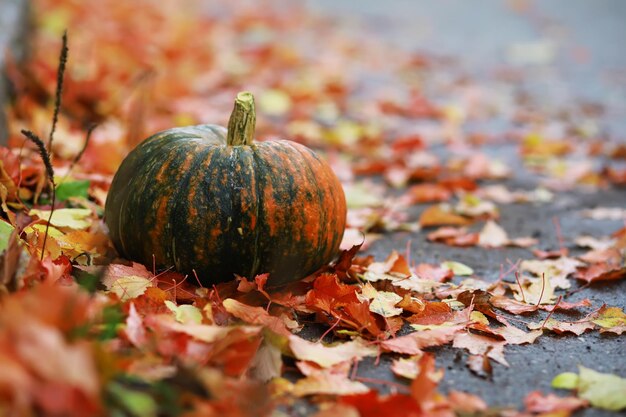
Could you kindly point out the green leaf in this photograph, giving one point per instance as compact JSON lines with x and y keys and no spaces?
{"x":69,"y":189}
{"x":89,"y":282}
{"x":136,"y":403}
{"x":458,"y":268}
{"x":605,"y":391}
{"x":185,"y":313}
{"x":566,"y":380}
{"x":5,"y":232}
{"x":112,"y":318}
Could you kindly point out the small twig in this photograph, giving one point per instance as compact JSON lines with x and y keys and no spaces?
{"x":197,"y":279}
{"x":217,"y":294}
{"x":543,"y":287}
{"x":330,"y":329}
{"x":45,"y":156}
{"x":519,"y":284}
{"x":59,"y":90}
{"x":551,"y":312}
{"x":355,"y":368}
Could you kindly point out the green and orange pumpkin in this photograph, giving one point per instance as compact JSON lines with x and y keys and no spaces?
{"x":211,"y":200}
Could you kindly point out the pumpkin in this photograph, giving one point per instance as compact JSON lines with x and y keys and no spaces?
{"x":211,"y":201}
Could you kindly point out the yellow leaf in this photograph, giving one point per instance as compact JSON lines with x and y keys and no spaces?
{"x":130,"y":287}
{"x":610,"y":317}
{"x":185,"y":313}
{"x":73,"y":218}
{"x":479,"y":317}
{"x":327,"y":356}
{"x":384,"y":303}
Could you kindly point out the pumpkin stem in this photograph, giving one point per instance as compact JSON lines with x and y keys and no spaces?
{"x":242,"y":121}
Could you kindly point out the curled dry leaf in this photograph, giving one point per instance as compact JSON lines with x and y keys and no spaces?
{"x":481,"y":345}
{"x":256,"y":315}
{"x":560,"y":327}
{"x":329,"y":356}
{"x":536,"y":402}
{"x":413,"y":343}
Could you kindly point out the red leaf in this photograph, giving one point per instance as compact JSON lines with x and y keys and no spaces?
{"x":601,"y":272}
{"x":423,"y":387}
{"x":536,"y":402}
{"x":341,"y":302}
{"x":413,"y":343}
{"x":371,"y":404}
{"x":135,"y":330}
{"x":428,"y":193}
{"x":256,"y":315}
{"x":434,"y":273}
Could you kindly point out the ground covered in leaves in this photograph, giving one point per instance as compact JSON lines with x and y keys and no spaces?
{"x":486,"y":224}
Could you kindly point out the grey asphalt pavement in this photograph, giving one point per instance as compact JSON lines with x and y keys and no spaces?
{"x":585,"y":42}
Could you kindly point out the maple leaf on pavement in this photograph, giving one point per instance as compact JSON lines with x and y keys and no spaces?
{"x":256,"y":315}
{"x":536,"y":402}
{"x":328,"y":356}
{"x":413,"y":343}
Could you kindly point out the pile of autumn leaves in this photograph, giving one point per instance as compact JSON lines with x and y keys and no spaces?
{"x":144,"y":344}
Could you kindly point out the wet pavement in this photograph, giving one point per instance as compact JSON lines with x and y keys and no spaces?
{"x":578,"y":55}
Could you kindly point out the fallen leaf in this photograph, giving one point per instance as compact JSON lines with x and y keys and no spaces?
{"x":129,"y":287}
{"x":557,"y":270}
{"x":606,"y":391}
{"x":256,"y":315}
{"x":135,"y":330}
{"x":434,"y":272}
{"x":328,"y":356}
{"x":382,"y":302}
{"x":267,"y":363}
{"x":566,"y":380}
{"x":515,"y":336}
{"x":5,"y":232}
{"x":511,"y":305}
{"x":602,"y":271}
{"x":481,"y":345}
{"x":413,"y":343}
{"x":372,"y":404}
{"x":536,"y":402}
{"x":331,"y":381}
{"x":492,"y":236}
{"x":611,"y":319}
{"x":462,"y":402}
{"x":458,"y":268}
{"x":72,"y":218}
{"x":442,"y":215}
{"x":406,"y":367}
{"x":560,"y":327}
{"x":185,"y":313}
{"x":480,"y":365}
{"x":535,"y":291}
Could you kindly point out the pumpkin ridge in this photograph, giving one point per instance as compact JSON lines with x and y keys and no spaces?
{"x":180,"y":205}
{"x":312,"y":179}
{"x":259,"y":205}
